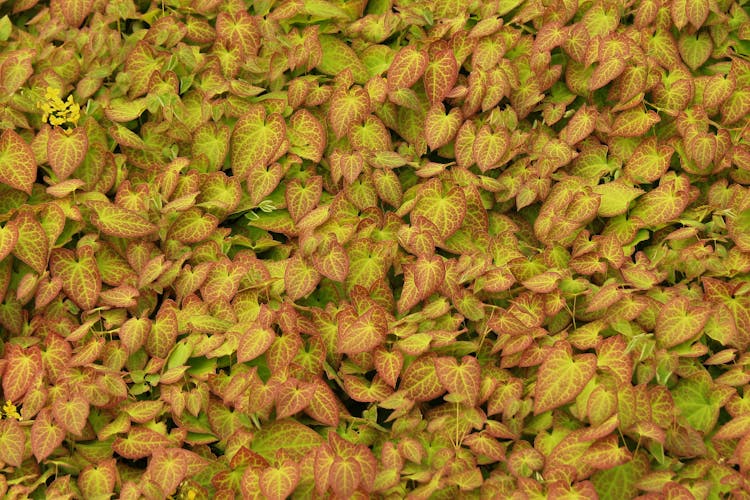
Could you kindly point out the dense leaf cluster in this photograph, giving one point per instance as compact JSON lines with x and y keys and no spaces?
{"x":352,"y":248}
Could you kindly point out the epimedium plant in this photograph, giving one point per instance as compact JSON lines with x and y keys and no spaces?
{"x":389,"y":248}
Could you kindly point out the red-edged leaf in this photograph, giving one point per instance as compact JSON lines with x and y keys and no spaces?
{"x":302,"y":198}
{"x":134,"y":332}
{"x":306,"y":135}
{"x":649,"y":161}
{"x":140,"y":442}
{"x":360,"y":333}
{"x":277,"y":483}
{"x":300,"y":278}
{"x":80,"y":277}
{"x":239,"y":30}
{"x":163,"y":331}
{"x":561,"y":378}
{"x":119,"y":222}
{"x":12,"y":442}
{"x":428,"y":274}
{"x":254,"y":342}
{"x":490,"y":147}
{"x":388,"y":365}
{"x":17,"y":164}
{"x":98,"y":480}
{"x":348,"y":108}
{"x":323,"y":405}
{"x":441,"y":128}
{"x":75,"y":11}
{"x":634,"y":122}
{"x":420,"y":381}
{"x":66,"y":150}
{"x":580,"y":126}
{"x":71,"y":413}
{"x":257,"y":140}
{"x":446,"y":210}
{"x":331,"y":260}
{"x":293,"y":397}
{"x":680,"y":321}
{"x":695,"y":49}
{"x":697,"y":11}
{"x":440,"y":76}
{"x":23,"y":364}
{"x":462,"y":379}
{"x":8,"y":239}
{"x":406,"y":68}
{"x":168,"y":468}
{"x":32,"y":245}
{"x":45,"y":435}
{"x":193,"y":226}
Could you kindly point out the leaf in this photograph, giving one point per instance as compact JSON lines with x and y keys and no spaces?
{"x":15,"y":70}
{"x":420,"y":381}
{"x":697,"y":11}
{"x":17,"y":164}
{"x":348,"y":108}
{"x":649,"y":161}
{"x":561,"y":378}
{"x":75,"y":11}
{"x":428,"y":273}
{"x":98,"y":480}
{"x":45,"y":435}
{"x":296,"y":440}
{"x":407,"y":68}
{"x":735,"y":107}
{"x":239,"y":30}
{"x":80,"y":277}
{"x":360,"y":333}
{"x":680,"y":321}
{"x":662,"y":204}
{"x":697,"y":402}
{"x":71,"y":413}
{"x":695,"y":49}
{"x":140,"y":442}
{"x":331,"y":260}
{"x":193,"y":226}
{"x":441,"y":128}
{"x":12,"y":442}
{"x":440,"y":76}
{"x":446,"y":210}
{"x":306,"y":135}
{"x":300,"y":278}
{"x":634,"y":122}
{"x":337,"y":56}
{"x":23,"y":364}
{"x":257,"y":140}
{"x":8,"y":239}
{"x":580,"y":126}
{"x":66,"y":150}
{"x":302,"y":199}
{"x":253,"y":343}
{"x":490,"y":147}
{"x":462,"y":380}
{"x":277,"y":483}
{"x":615,"y":197}
{"x":119,"y":222}
{"x":32,"y":245}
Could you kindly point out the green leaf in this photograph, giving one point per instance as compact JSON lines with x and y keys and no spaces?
{"x":75,"y":11}
{"x":337,"y":56}
{"x":698,"y":402}
{"x":306,"y":135}
{"x":580,"y":126}
{"x":140,"y":442}
{"x":696,"y":48}
{"x":615,"y":197}
{"x":561,"y":378}
{"x":17,"y":163}
{"x":193,"y":226}
{"x":66,"y":150}
{"x":634,"y":122}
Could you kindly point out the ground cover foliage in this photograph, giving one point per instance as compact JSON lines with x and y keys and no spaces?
{"x":350,"y":248}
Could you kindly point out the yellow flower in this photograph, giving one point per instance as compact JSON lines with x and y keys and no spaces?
{"x":58,"y":112}
{"x":10,"y":410}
